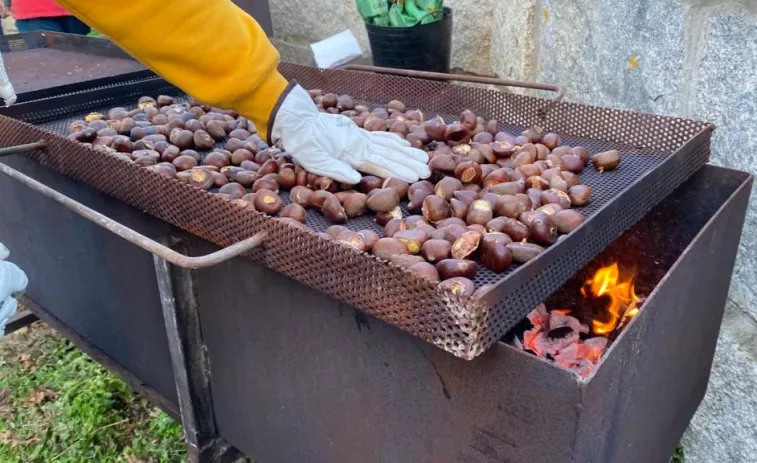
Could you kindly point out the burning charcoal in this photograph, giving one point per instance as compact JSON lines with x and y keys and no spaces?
{"x":539,"y":316}
{"x":593,"y":348}
{"x":558,"y":319}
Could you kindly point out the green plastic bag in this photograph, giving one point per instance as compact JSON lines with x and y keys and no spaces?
{"x":432,"y":10}
{"x":372,"y":9}
{"x":398,"y":17}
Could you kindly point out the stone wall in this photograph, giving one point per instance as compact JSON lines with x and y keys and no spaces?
{"x":690,"y":58}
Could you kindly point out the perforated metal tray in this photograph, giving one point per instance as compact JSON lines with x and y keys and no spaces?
{"x":48,"y":64}
{"x":659,"y":153}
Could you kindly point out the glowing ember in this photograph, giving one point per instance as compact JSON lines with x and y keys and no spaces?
{"x":624,"y":302}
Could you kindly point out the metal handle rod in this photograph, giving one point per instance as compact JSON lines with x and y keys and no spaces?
{"x":132,"y":236}
{"x":18,"y":149}
{"x":459,"y":77}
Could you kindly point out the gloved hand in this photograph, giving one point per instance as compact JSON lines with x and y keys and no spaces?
{"x":7,"y":92}
{"x":12,"y":281}
{"x":333,"y":146}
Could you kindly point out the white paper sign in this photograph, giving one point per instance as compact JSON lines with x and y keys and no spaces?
{"x":336,"y":50}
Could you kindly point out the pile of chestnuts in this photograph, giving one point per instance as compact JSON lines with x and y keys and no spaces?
{"x":493,"y":198}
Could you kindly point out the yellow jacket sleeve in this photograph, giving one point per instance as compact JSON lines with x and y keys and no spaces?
{"x":210,"y":49}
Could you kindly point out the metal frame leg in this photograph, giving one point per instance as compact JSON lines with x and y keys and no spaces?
{"x":20,"y":320}
{"x":178,"y":296}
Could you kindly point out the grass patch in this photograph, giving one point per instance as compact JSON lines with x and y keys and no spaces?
{"x":678,"y":455}
{"x":57,"y":405}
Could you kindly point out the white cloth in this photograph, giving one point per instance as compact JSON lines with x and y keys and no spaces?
{"x":333,"y":146}
{"x":12,"y":280}
{"x":7,"y":92}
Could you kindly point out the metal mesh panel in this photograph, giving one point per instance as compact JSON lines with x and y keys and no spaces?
{"x":659,"y":153}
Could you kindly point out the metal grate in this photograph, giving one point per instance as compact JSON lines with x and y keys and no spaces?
{"x":659,"y":153}
{"x":46,"y":64}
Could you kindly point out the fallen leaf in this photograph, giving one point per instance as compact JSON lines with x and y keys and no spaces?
{"x":5,"y":396}
{"x":26,"y":360}
{"x":5,"y":437}
{"x":41,"y":395}
{"x":25,"y":442}
{"x":132,"y":459}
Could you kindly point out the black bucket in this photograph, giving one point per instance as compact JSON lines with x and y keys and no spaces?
{"x":425,"y":47}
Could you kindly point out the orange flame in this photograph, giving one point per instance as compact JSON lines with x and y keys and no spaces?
{"x":623,"y":299}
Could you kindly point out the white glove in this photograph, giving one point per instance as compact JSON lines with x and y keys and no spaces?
{"x":333,"y":146}
{"x":7,"y":92}
{"x":12,"y":281}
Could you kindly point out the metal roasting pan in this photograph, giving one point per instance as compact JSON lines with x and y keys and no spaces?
{"x":658,"y":154}
{"x":48,"y":64}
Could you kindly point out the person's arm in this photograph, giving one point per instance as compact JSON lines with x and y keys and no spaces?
{"x":12,"y":281}
{"x":211,"y":49}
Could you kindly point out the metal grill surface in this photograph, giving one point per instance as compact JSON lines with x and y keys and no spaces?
{"x":44,"y":64}
{"x":658,"y":154}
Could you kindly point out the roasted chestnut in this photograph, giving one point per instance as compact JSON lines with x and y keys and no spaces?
{"x":607,"y":160}
{"x":369,"y":182}
{"x":201,"y":179}
{"x":551,"y":140}
{"x":503,"y":149}
{"x":294,"y":211}
{"x":184,"y":163}
{"x":466,"y":245}
{"x":458,"y":286}
{"x":579,"y":194}
{"x":558,"y":183}
{"x":543,"y":229}
{"x":456,"y":133}
{"x":184,"y":139}
{"x":318,"y":197}
{"x":468,"y":172}
{"x":425,"y":270}
{"x":516,"y":230}
{"x":459,"y":209}
{"x":572,"y":163}
{"x":567,"y":220}
{"x":354,"y":204}
{"x":447,"y":187}
{"x":333,"y":210}
{"x":383,"y":200}
{"x":509,"y":206}
{"x":508,"y":188}
{"x":581,"y":152}
{"x":345,"y":102}
{"x":435,"y":128}
{"x":399,"y":185}
{"x":370,"y":238}
{"x":480,"y":212}
{"x":413,"y":239}
{"x":555,"y":196}
{"x":393,"y":226}
{"x":352,"y":240}
{"x":382,"y":218}
{"x":523,"y":252}
{"x":234,"y":190}
{"x":452,"y":268}
{"x":247,"y":178}
{"x":495,"y":256}
{"x":435,"y":250}
{"x":375,"y":125}
{"x":435,"y":208}
{"x":385,"y":248}
{"x":443,"y":163}
{"x":267,"y":201}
